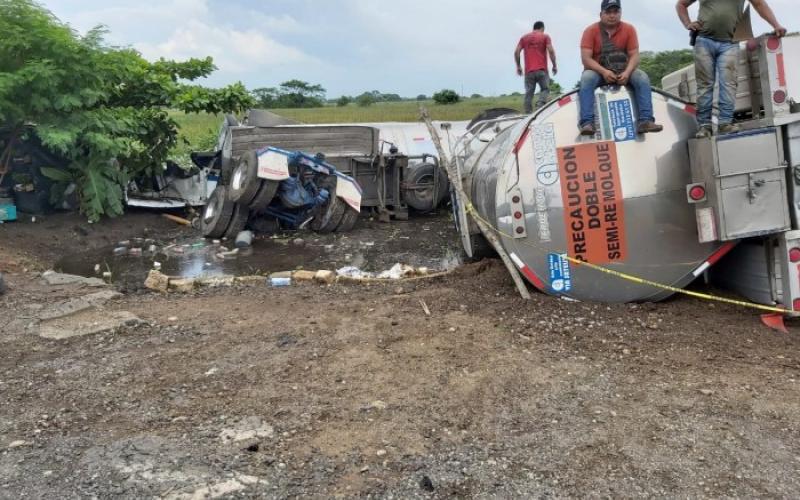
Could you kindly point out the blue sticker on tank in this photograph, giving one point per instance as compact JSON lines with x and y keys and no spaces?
{"x":560,"y":273}
{"x":621,"y":115}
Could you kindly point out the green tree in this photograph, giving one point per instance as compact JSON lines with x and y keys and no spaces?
{"x":422,"y":97}
{"x":555,"y":87}
{"x":659,"y":64}
{"x":104,"y":109}
{"x":300,"y":94}
{"x":266,"y":97}
{"x":446,"y":96}
{"x":365,"y":99}
{"x":475,"y":96}
{"x":343,"y":101}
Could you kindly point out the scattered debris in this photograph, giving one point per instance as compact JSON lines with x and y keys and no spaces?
{"x":79,"y":304}
{"x":425,"y":307}
{"x":54,"y":279}
{"x":86,"y":323}
{"x":179,"y":220}
{"x":249,"y":428}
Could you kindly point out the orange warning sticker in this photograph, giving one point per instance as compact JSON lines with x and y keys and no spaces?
{"x":594,"y":213}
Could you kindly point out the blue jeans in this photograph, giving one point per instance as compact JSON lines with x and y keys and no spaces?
{"x":715,"y":60}
{"x":542,"y":78}
{"x":642,"y":93}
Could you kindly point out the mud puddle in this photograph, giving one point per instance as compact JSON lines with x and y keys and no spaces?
{"x":425,"y":241}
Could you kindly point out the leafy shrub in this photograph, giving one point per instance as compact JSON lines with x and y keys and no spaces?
{"x":446,"y":96}
{"x":102,"y":108}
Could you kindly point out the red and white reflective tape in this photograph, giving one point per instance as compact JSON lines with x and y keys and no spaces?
{"x":521,"y":141}
{"x":715,"y":257}
{"x":689,"y":108}
{"x":526,"y":271}
{"x":552,"y":109}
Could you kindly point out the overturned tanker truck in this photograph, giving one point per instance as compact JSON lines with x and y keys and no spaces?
{"x":663,"y":207}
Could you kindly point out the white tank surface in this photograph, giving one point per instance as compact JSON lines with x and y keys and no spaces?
{"x":617,"y":199}
{"x":413,"y":138}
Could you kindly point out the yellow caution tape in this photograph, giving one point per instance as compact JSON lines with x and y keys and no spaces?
{"x":470,"y":209}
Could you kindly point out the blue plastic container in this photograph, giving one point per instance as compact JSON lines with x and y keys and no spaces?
{"x":8,"y":212}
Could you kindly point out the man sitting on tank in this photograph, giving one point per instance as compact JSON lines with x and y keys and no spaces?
{"x":610,"y":56}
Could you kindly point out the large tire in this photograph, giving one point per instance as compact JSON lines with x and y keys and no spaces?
{"x":217,"y":213}
{"x":244,"y":184}
{"x":328,"y":216}
{"x":238,"y":221}
{"x":424,"y":199}
{"x":265,"y":195}
{"x":491,"y":114}
{"x":348,"y":221}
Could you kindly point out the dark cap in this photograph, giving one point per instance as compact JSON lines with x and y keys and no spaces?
{"x":610,"y":4}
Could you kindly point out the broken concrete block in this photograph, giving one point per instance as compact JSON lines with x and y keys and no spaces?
{"x":157,"y":281}
{"x":216,"y":281}
{"x":282,"y":274}
{"x":88,"y":322}
{"x":303,"y":275}
{"x":181,"y":285}
{"x":250,"y":280}
{"x":53,"y":278}
{"x":78,"y":304}
{"x":324,"y":276}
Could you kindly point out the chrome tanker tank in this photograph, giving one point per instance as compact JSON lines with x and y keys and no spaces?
{"x":617,"y":200}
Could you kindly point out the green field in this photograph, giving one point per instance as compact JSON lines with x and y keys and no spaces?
{"x":199,"y":131}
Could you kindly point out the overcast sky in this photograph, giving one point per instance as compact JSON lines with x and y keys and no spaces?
{"x":348,"y":46}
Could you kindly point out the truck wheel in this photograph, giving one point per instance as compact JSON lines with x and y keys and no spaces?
{"x":328,"y":216}
{"x":244,"y":184}
{"x":349,"y":220}
{"x":217,"y":213}
{"x":422,"y":198}
{"x":264,"y":196}
{"x":238,"y":221}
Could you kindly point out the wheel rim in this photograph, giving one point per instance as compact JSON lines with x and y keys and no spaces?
{"x":238,"y":175}
{"x":209,"y":212}
{"x":426,"y":192}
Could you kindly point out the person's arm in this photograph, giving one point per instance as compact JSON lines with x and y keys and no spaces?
{"x":682,"y":7}
{"x":516,"y":59}
{"x":590,"y":63}
{"x":766,"y":14}
{"x":552,"y":52}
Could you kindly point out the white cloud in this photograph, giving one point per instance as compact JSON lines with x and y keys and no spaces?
{"x":348,"y":46}
{"x":233,"y":50}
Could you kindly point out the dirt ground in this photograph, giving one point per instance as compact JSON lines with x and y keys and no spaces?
{"x":353,"y":391}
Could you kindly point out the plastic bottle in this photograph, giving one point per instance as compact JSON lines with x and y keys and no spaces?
{"x":280,"y":281}
{"x":244,"y":239}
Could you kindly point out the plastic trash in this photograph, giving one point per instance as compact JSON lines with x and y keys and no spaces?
{"x":244,"y":239}
{"x":279,"y":281}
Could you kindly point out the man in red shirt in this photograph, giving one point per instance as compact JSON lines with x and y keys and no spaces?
{"x":610,"y":56}
{"x":537,"y":46}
